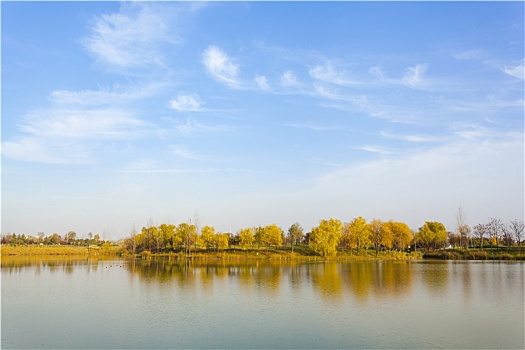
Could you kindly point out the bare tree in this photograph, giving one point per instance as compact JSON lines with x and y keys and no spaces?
{"x":462,"y":228}
{"x":480,"y":231}
{"x":517,"y":228}
{"x":495,"y":229}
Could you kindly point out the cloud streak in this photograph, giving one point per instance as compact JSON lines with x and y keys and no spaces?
{"x":221,"y":67}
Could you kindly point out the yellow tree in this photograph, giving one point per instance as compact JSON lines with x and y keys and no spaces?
{"x":359,"y":233}
{"x":272,"y":235}
{"x":186,"y":233}
{"x":221,"y":240}
{"x":432,"y":234}
{"x":246,"y":238}
{"x":402,"y":235}
{"x":208,"y":236}
{"x":376,"y":233}
{"x":387,"y":234}
{"x":325,"y":237}
{"x":167,"y":231}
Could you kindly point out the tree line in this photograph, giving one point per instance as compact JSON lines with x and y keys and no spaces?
{"x":328,"y":237}
{"x":325,"y":239}
{"x":70,"y":238}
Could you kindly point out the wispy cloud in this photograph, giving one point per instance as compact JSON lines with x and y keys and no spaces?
{"x":190,"y":125}
{"x":289,"y":79}
{"x":516,"y":71}
{"x":130,"y":38}
{"x":328,"y":74}
{"x":186,"y":102}
{"x":182,"y":151}
{"x":414,"y":76}
{"x":221,"y":67}
{"x":114,"y":96}
{"x":375,"y":149}
{"x":409,"y":138}
{"x":262,"y":82}
{"x":313,"y":127}
{"x":69,"y":135}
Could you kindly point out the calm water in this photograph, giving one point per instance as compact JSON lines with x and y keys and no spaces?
{"x":58,"y":303}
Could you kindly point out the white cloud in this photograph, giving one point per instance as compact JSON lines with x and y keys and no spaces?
{"x":517,"y":71}
{"x":414,"y":76}
{"x":130,"y":38}
{"x":470,"y":55}
{"x":186,"y":102}
{"x":262,"y":82}
{"x":82,"y":124}
{"x":182,"y":151}
{"x":69,"y":135}
{"x":189,"y":126}
{"x":313,"y":127}
{"x":328,"y":74}
{"x":221,"y":67}
{"x":289,"y":79}
{"x":117,"y":95}
{"x":375,"y":149}
{"x":48,"y":151}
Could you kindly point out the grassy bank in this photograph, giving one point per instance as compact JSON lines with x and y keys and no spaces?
{"x":476,"y":254}
{"x":279,"y":253}
{"x":34,"y":249}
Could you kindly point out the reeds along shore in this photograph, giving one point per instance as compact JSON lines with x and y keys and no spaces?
{"x":283,"y":253}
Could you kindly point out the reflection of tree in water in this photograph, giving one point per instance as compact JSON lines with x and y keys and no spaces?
{"x":42,"y":263}
{"x":360,"y":277}
{"x":380,"y":279}
{"x":327,"y":280}
{"x":436,"y":277}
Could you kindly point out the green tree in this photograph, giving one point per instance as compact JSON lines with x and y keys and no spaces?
{"x":71,"y":236}
{"x":432,"y":234}
{"x":295,"y":234}
{"x":325,"y":237}
{"x":246,"y":238}
{"x":208,"y":236}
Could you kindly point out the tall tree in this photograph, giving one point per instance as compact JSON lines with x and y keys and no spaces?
{"x":272,"y":235}
{"x":376,"y":237}
{"x":462,"y":228}
{"x":359,"y":233}
{"x":246,"y":238}
{"x":402,"y":235}
{"x":432,"y":234}
{"x":295,"y":234}
{"x":208,"y":236}
{"x":221,"y":240}
{"x":517,"y":227}
{"x":325,"y":237}
{"x":495,"y":229}
{"x":480,"y":231}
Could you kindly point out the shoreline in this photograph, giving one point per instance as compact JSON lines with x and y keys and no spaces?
{"x":280,"y":253}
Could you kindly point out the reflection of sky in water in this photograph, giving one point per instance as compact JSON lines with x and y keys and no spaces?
{"x":161,"y":304}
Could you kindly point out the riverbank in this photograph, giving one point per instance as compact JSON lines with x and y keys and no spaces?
{"x":263,"y":253}
{"x":36,"y":249}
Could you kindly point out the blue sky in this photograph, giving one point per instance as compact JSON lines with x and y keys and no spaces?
{"x":251,"y":113}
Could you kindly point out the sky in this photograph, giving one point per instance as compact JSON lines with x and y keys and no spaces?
{"x":240,"y":114}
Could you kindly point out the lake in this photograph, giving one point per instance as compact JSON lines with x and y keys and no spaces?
{"x":57,"y":303}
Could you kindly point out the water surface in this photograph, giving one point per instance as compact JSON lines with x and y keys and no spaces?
{"x":60,"y":303}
